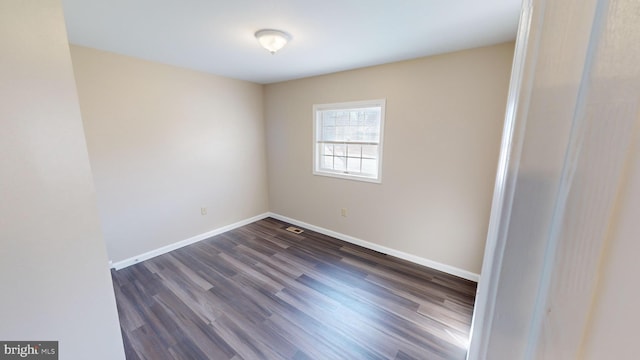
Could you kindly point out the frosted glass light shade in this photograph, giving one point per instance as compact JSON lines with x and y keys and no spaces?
{"x":272,"y":40}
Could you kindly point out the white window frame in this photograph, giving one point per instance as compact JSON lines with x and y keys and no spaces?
{"x":317,"y":109}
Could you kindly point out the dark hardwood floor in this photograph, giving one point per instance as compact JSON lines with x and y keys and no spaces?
{"x":261,"y":292}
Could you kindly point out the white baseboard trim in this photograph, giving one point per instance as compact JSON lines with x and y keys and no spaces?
{"x":350,"y":239}
{"x":165,"y":249}
{"x":383,"y":249}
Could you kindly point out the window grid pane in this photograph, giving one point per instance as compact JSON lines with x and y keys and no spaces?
{"x":348,"y":158}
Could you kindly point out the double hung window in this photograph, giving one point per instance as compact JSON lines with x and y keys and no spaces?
{"x":348,"y":140}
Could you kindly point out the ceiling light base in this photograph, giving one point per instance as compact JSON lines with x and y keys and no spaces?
{"x":272,"y":40}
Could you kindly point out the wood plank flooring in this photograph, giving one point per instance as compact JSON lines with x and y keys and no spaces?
{"x":261,"y":292}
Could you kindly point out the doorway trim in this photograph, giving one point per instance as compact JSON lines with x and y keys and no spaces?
{"x":508,"y":163}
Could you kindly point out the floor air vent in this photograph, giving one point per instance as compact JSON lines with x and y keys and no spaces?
{"x":294,"y":230}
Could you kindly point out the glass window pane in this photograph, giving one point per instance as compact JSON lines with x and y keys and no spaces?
{"x":326,"y":162}
{"x":328,"y":133}
{"x":369,"y":166}
{"x":353,"y":150}
{"x":372,"y":119}
{"x":353,"y":165}
{"x":357,"y":117}
{"x":371,"y":134}
{"x":340,"y":134}
{"x":340,"y":150}
{"x":356,"y":133}
{"x":328,"y":119}
{"x":325,"y":149}
{"x":342,"y":118}
{"x":370,"y":151}
{"x":340,"y":163}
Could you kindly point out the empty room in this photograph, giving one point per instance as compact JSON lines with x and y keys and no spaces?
{"x":318,"y":180}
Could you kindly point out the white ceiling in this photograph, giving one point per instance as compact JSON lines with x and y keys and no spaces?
{"x":216,"y":36}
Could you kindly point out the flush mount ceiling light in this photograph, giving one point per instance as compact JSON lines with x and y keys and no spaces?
{"x":272,"y":40}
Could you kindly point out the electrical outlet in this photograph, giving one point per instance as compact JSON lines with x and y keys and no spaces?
{"x":343,"y":212}
{"x":203,"y":211}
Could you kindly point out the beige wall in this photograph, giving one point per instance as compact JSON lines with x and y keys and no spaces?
{"x":164,"y":142}
{"x":53,"y":264}
{"x":444,"y":117}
